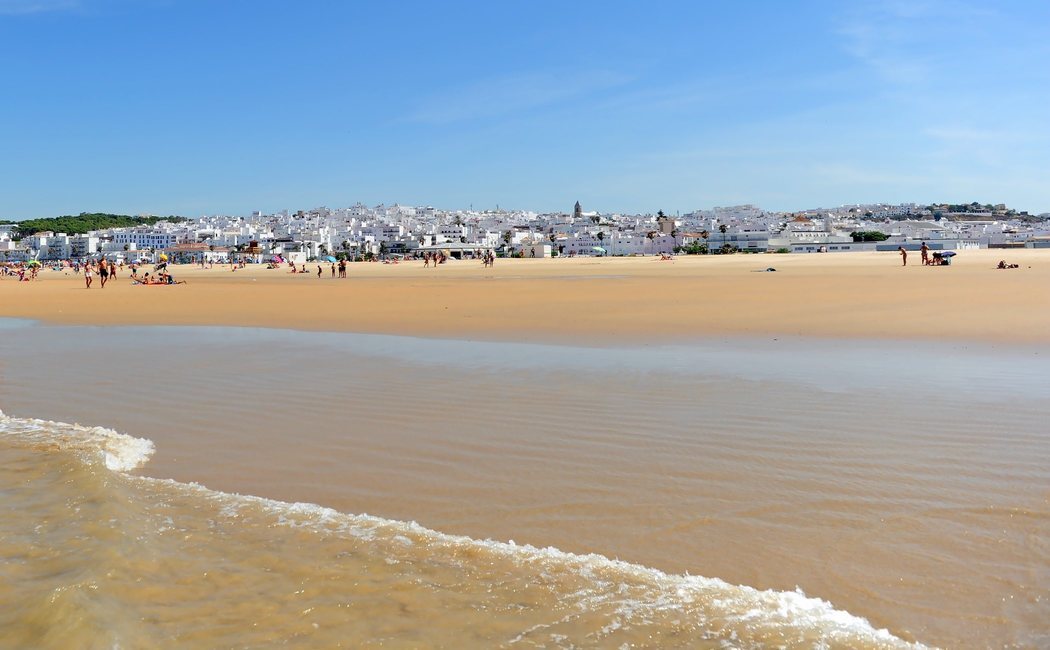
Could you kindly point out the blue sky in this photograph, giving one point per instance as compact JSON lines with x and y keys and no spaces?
{"x":192,"y":107}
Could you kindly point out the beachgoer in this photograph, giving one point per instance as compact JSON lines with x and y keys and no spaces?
{"x":88,"y":275}
{"x":103,"y":273}
{"x":333,"y":271}
{"x":318,"y":271}
{"x":925,"y":251}
{"x":904,"y":256}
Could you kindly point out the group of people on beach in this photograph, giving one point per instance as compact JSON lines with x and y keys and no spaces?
{"x":23,"y":272}
{"x":105,"y":270}
{"x":437,"y":257}
{"x":337,"y":269}
{"x":937,"y":259}
{"x":161,"y":277}
{"x":487,"y":257}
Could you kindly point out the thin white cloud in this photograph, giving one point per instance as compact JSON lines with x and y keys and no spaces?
{"x":26,"y":7}
{"x":896,"y":38}
{"x":512,"y":94}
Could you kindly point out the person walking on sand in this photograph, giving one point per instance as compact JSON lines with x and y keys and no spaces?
{"x":318,"y":271}
{"x":103,"y":273}
{"x":333,"y":271}
{"x":342,"y":268}
{"x":904,"y":256}
{"x":88,"y":275}
{"x":924,"y":250}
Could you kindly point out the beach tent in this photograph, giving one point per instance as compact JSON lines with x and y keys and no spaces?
{"x":598,"y":249}
{"x":331,"y":259}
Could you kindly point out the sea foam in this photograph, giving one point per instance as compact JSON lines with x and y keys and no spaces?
{"x":632,"y":593}
{"x":118,"y":451}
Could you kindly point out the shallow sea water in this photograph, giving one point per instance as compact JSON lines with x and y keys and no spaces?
{"x":722,"y":493}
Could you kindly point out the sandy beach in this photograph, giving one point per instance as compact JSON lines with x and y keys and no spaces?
{"x":604,"y":300}
{"x":700,"y":420}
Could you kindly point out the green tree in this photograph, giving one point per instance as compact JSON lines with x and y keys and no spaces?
{"x":868,"y":235}
{"x":86,"y":222}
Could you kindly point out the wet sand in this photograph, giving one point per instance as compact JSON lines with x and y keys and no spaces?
{"x":903,"y":484}
{"x":610,"y":300}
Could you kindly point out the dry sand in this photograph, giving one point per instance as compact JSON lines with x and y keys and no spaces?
{"x":604,"y":300}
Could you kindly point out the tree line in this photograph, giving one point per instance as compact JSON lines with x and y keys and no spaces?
{"x":83,"y":223}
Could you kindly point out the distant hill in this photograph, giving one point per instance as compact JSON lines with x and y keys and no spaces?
{"x":84,"y":222}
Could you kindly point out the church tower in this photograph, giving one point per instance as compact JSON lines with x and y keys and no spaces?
{"x":577,"y":212}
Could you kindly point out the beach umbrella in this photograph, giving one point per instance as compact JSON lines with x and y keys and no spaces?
{"x":33,"y":263}
{"x":163,"y":257}
{"x":598,"y":248}
{"x":331,"y":259}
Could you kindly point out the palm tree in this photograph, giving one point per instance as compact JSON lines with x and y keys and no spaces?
{"x":704,"y":235}
{"x":601,"y":237}
{"x":674,"y":236}
{"x":652,"y":236}
{"x":722,"y":228}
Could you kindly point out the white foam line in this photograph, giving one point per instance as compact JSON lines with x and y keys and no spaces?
{"x":734,"y":604}
{"x":120,"y":452}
